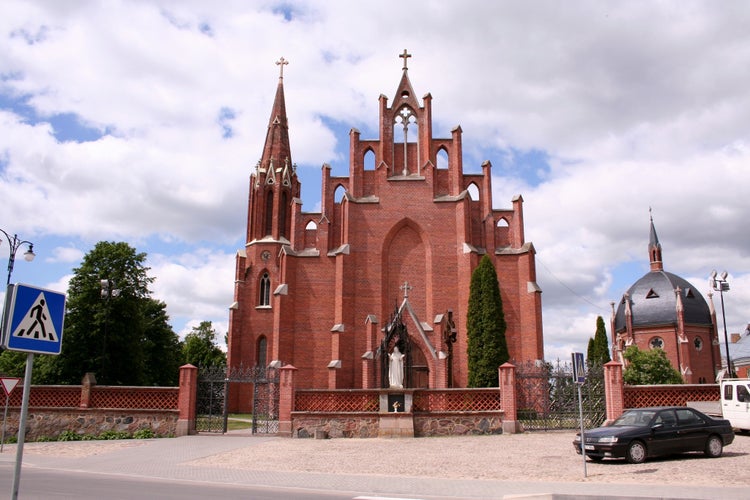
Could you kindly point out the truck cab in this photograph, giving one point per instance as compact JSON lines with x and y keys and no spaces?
{"x":735,"y":402}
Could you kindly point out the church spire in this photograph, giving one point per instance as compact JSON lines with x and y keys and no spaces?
{"x":276,"y":150}
{"x":274,"y":182}
{"x":654,"y":247}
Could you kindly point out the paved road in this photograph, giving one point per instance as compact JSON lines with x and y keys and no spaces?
{"x":143,"y":464}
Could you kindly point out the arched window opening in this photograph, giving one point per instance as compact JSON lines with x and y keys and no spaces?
{"x":311,"y":226}
{"x":442,"y":159}
{"x":261,"y":353}
{"x":269,"y":213}
{"x":265,"y":290}
{"x":282,"y":215}
{"x":405,"y":128}
{"x":473,"y":192}
{"x":369,"y":160}
{"x":338,"y":195}
{"x":502,"y":222}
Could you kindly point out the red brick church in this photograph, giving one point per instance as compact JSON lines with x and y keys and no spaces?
{"x":388,"y":259}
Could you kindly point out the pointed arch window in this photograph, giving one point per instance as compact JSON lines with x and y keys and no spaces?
{"x":262,"y":347}
{"x":282,"y":215}
{"x":269,"y":213}
{"x":265,"y":290}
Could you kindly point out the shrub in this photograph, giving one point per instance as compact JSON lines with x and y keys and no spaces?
{"x":69,"y":435}
{"x":145,"y":433}
{"x":111,"y":434}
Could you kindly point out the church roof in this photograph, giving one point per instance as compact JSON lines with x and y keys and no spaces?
{"x":653,"y":301}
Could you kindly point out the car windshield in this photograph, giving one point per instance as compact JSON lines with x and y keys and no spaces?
{"x":638,"y":418}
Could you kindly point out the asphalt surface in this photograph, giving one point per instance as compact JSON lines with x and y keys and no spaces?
{"x":167,"y":460}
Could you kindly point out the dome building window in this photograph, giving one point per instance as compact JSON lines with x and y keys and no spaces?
{"x":698,"y":343}
{"x":656,"y":343}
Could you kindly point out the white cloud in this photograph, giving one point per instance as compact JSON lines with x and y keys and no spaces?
{"x":633,"y":105}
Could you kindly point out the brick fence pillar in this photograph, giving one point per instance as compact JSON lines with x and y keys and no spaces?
{"x":89,"y":380}
{"x":614,"y":390}
{"x":507,"y":376}
{"x":286,"y":400}
{"x":186,"y":400}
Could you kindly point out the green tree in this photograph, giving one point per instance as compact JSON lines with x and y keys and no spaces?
{"x":485,"y":327}
{"x":649,"y":367}
{"x":199,"y":348}
{"x":113,"y":327}
{"x":598,"y":348}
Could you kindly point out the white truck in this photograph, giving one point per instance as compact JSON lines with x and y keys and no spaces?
{"x":735,"y":402}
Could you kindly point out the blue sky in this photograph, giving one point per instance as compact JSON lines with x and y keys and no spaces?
{"x":141,"y":122}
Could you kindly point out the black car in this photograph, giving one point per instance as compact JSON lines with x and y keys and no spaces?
{"x":649,"y":432}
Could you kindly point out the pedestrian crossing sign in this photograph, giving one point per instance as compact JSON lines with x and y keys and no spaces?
{"x":34,"y":320}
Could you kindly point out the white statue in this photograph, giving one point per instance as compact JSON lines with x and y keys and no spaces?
{"x":396,"y":368}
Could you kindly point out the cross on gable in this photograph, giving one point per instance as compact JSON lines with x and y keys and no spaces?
{"x":405,"y":287}
{"x":405,"y":56}
{"x":281,"y":63}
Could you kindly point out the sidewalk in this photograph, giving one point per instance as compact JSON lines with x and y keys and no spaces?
{"x":283,"y":462}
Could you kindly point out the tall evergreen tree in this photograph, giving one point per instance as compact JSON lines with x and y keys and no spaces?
{"x":598,"y":348}
{"x":113,"y":326}
{"x":485,"y":324}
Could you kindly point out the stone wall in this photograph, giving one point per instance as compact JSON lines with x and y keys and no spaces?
{"x":368,"y":424}
{"x":457,"y":424}
{"x":49,"y":423}
{"x":332,"y":425}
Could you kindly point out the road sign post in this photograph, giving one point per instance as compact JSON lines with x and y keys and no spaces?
{"x":8,"y":384}
{"x":579,"y":377}
{"x":32,"y":323}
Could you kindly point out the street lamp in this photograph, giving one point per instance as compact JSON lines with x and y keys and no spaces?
{"x":14,"y":243}
{"x":108,"y":291}
{"x":721,"y":285}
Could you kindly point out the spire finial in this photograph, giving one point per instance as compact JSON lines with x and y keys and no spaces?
{"x":405,"y":56}
{"x":281,"y":63}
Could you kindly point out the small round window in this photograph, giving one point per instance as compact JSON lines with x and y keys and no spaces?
{"x":656,"y":343}
{"x":698,"y":343}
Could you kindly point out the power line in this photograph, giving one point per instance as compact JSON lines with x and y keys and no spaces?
{"x":567,"y":287}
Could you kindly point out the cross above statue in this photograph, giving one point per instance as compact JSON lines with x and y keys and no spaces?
{"x":405,"y":287}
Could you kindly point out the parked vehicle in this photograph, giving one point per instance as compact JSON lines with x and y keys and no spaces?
{"x":642,"y":433}
{"x":735,"y":402}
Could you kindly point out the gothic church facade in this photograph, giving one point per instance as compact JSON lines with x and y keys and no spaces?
{"x":316,"y":290}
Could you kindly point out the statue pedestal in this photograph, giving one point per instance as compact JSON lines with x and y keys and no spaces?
{"x":396,"y":418}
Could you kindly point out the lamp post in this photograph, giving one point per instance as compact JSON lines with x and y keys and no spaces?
{"x":14,"y":243}
{"x":108,"y":291}
{"x":721,"y":285}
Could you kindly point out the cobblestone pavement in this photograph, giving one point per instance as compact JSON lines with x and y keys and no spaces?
{"x":460,"y":467}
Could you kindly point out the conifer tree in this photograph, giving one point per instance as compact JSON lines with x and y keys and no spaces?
{"x":485,"y":323}
{"x":598,"y":348}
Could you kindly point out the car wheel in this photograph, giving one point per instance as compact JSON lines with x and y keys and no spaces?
{"x":714,"y":446}
{"x":636,"y":453}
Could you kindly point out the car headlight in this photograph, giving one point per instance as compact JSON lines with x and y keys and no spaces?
{"x":608,"y":439}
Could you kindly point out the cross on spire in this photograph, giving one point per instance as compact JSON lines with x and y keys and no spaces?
{"x":281,"y":63}
{"x":405,"y":56}
{"x":405,"y":287}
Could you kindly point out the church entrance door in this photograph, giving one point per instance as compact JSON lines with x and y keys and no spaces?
{"x":420,"y":371}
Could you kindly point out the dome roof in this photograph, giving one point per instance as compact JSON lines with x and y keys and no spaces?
{"x":653,"y":302}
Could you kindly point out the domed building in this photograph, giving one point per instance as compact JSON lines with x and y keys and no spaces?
{"x":664,"y":311}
